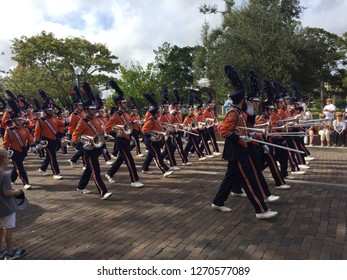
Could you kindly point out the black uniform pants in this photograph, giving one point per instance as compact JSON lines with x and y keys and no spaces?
{"x":212,"y":135}
{"x":18,"y":167}
{"x":154,"y":153}
{"x":51,"y":156}
{"x":92,"y":169}
{"x":135,"y":135}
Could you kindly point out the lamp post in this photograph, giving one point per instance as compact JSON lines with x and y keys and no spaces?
{"x":78,"y":71}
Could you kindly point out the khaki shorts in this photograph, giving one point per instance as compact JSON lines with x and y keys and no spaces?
{"x":8,"y":222}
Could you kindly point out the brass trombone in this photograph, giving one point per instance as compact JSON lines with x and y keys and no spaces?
{"x":91,"y":142}
{"x":176,"y":128}
{"x":127,"y":128}
{"x":158,"y":135}
{"x":211,"y":122}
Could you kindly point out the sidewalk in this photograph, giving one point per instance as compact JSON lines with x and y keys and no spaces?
{"x":171,"y":218}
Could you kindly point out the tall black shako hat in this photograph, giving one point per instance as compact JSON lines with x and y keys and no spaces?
{"x":239,"y":93}
{"x":209,"y":96}
{"x":37,"y":107}
{"x":268,"y":103}
{"x":133,"y":102}
{"x":16,"y":113}
{"x":191,"y":98}
{"x":177,"y":98}
{"x":22,"y":103}
{"x":276,"y":91}
{"x":153,"y":108}
{"x":295,"y":92}
{"x":75,"y":95}
{"x":47,"y":102}
{"x":198,"y":101}
{"x":87,"y":96}
{"x":10,"y":95}
{"x":2,"y":104}
{"x":254,"y":86}
{"x":164,"y":96}
{"x":121,"y":96}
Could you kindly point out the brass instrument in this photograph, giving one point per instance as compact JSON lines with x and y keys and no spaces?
{"x":263,"y":125}
{"x":64,"y":142}
{"x":294,"y":119}
{"x":254,"y":131}
{"x":127,"y":128}
{"x":10,"y":153}
{"x":211,"y":122}
{"x":158,"y":135}
{"x":140,"y":122}
{"x":43,"y":143}
{"x":91,"y":142}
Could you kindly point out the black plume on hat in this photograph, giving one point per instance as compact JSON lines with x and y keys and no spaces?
{"x":121,"y":95}
{"x":295,"y":91}
{"x":154,"y":106}
{"x":191,"y":98}
{"x":199,"y":101}
{"x":210,"y":96}
{"x":164,"y":96}
{"x":233,"y":77}
{"x":2,"y":104}
{"x":37,"y":107}
{"x":177,"y":98}
{"x":14,"y":108}
{"x":133,"y":102}
{"x":98,"y":102}
{"x":10,"y":94}
{"x":48,"y":102}
{"x":254,"y":86}
{"x":276,"y":90}
{"x":87,"y":96}
{"x":283,"y":92}
{"x":22,"y":103}
{"x":269,"y":95}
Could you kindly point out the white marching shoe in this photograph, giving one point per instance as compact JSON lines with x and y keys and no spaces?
{"x":266,"y":215}
{"x":109,"y":178}
{"x":136,"y":184}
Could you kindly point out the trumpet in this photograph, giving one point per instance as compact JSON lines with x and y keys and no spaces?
{"x":127,"y":128}
{"x":211,"y":122}
{"x":158,"y":135}
{"x":91,"y":142}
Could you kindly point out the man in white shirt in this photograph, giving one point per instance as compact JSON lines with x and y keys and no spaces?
{"x":329,"y":109}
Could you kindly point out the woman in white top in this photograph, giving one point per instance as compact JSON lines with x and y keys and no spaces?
{"x":329,"y":109}
{"x":339,"y":129}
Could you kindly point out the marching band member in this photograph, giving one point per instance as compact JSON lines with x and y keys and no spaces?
{"x":77,"y":115}
{"x":6,"y":118}
{"x":46,"y":129}
{"x":153,"y":132}
{"x":177,"y":119}
{"x":121,"y":118}
{"x":209,"y":113}
{"x":193,"y":140}
{"x":238,"y":156}
{"x":17,"y":139}
{"x":166,"y":119}
{"x":90,"y":127}
{"x":2,"y":111}
{"x":137,"y":123}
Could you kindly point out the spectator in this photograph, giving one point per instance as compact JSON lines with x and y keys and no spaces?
{"x":345,"y":114}
{"x":8,"y":208}
{"x":325,"y":129}
{"x":227,"y":104}
{"x":329,"y":109}
{"x":339,"y":126}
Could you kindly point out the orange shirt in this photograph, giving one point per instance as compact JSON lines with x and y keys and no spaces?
{"x":83,"y":127}
{"x":75,"y":117}
{"x":147,"y":116}
{"x":5,"y":118}
{"x":208,"y":114}
{"x":17,"y":138}
{"x":48,"y":128}
{"x":176,"y":117}
{"x":134,"y":119}
{"x":152,"y":124}
{"x":118,"y":118}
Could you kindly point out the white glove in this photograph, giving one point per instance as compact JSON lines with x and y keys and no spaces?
{"x":266,"y":149}
{"x":246,"y":139}
{"x":33,"y":150}
{"x":38,"y":147}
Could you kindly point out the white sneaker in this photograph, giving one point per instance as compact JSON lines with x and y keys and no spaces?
{"x":113,"y":157}
{"x":221,"y":208}
{"x":283,"y":187}
{"x":44,"y":173}
{"x":84,"y":168}
{"x":266,"y":215}
{"x":167,"y":173}
{"x":217,"y":153}
{"x":272,"y":198}
{"x":147,"y":172}
{"x":27,"y":187}
{"x":202,"y":158}
{"x":238,"y":194}
{"x":57,"y":177}
{"x":140,"y":155}
{"x":298,"y":172}
{"x":175,"y":168}
{"x":186,"y":163}
{"x":109,"y":162}
{"x":106,"y":195}
{"x":210,"y":156}
{"x":84,"y":191}
{"x":301,"y":166}
{"x":110,"y":179}
{"x":308,"y":158}
{"x":136,"y":184}
{"x":73,"y":164}
{"x":289,"y":177}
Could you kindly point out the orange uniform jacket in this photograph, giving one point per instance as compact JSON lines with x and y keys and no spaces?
{"x":84,"y":128}
{"x":152,"y":124}
{"x":75,"y":117}
{"x":116,"y":119}
{"x":48,"y":128}
{"x":135,"y":118}
{"x":13,"y":136}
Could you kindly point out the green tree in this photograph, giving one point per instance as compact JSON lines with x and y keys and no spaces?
{"x":55,"y":60}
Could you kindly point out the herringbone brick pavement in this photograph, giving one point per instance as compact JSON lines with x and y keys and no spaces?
{"x":171,"y":218}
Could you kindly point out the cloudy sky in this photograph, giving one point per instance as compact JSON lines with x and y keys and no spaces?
{"x":132,"y":29}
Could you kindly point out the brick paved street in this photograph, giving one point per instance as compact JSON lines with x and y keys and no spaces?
{"x":171,"y":218}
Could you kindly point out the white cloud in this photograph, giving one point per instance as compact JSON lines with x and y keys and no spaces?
{"x":132,"y":29}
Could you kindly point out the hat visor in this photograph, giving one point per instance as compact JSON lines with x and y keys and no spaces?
{"x":93,"y":107}
{"x":22,"y":203}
